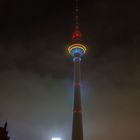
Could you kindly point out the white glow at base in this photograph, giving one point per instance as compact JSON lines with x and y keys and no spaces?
{"x":55,"y":138}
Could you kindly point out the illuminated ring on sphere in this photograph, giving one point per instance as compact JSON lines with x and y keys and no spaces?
{"x":77,"y":46}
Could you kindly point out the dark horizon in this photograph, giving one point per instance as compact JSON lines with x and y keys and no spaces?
{"x":36,"y":75}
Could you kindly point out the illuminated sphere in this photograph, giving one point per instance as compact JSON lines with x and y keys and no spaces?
{"x":77,"y":50}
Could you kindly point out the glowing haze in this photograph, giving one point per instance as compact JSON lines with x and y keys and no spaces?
{"x":36,"y":74}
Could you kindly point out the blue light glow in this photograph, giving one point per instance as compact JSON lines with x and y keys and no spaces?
{"x":77,"y":51}
{"x":76,"y":59}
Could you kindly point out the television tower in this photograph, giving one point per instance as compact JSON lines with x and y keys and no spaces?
{"x":77,"y":51}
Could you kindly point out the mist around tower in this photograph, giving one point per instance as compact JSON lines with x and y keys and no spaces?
{"x":37,"y":69}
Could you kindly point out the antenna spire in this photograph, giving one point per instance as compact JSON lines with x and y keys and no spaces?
{"x":76,"y":14}
{"x":77,"y":34}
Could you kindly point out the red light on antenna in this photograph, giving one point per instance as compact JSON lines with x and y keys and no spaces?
{"x":76,"y":35}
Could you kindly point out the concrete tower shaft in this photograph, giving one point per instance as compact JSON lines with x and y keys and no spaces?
{"x":77,"y":128}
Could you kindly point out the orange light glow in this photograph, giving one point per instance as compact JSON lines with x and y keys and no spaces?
{"x":77,"y":46}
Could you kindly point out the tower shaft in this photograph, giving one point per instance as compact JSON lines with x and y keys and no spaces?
{"x":77,"y":128}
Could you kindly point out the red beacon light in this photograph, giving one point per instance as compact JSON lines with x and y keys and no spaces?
{"x":76,"y":35}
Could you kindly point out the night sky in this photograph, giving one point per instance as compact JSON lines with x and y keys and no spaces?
{"x":36,"y":72}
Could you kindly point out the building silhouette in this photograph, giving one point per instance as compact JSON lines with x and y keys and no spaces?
{"x":4,"y":133}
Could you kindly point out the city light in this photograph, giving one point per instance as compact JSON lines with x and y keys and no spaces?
{"x":56,"y":138}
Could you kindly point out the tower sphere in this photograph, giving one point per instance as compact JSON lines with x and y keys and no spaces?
{"x":77,"y":50}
